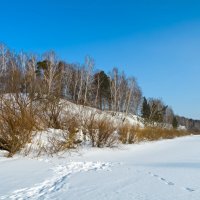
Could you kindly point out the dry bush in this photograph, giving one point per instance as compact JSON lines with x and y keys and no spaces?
{"x":51,"y":112}
{"x":17,"y":121}
{"x":106,"y":135}
{"x":132,"y":134}
{"x":101,"y":131}
{"x":67,"y":138}
{"x":123,"y":132}
{"x":127,"y":133}
{"x":153,"y":133}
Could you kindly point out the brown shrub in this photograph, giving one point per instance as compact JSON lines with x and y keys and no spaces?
{"x":17,"y":121}
{"x":132,"y":134}
{"x":51,"y":112}
{"x":67,"y":139}
{"x":153,"y":133}
{"x":123,"y":132}
{"x":101,"y":131}
{"x":127,"y":133}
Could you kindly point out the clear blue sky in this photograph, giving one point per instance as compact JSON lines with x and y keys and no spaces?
{"x":158,"y":42}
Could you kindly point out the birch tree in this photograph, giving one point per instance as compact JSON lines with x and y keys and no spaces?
{"x":51,"y":72}
{"x":89,"y":65}
{"x":4,"y":58}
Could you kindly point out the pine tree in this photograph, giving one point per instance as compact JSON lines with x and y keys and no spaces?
{"x":175,"y":123}
{"x":145,"y":109}
{"x":102,"y":82}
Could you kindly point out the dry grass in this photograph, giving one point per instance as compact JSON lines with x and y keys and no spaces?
{"x":153,"y":133}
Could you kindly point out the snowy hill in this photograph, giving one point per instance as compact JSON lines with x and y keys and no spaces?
{"x":42,"y":141}
{"x":163,"y":170}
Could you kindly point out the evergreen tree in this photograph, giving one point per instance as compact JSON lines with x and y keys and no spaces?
{"x":41,"y":67}
{"x":145,"y":109}
{"x":175,"y":123}
{"x":102,"y":82}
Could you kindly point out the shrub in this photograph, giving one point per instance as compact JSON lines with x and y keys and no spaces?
{"x":66,"y":137}
{"x":17,"y":121}
{"x":123,"y":133}
{"x":127,"y":133}
{"x":51,"y":112}
{"x":101,"y":131}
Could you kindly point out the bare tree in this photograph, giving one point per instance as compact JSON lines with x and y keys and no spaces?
{"x":80,"y":91}
{"x":52,"y":73}
{"x":130,"y":93}
{"x":114,"y":88}
{"x":169,"y":115}
{"x":89,"y":63}
{"x":4,"y":59}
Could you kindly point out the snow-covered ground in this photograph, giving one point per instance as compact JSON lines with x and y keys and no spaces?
{"x":162,"y":170}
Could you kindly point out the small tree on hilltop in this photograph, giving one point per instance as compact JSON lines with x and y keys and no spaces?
{"x":175,"y":123}
{"x":145,"y":109}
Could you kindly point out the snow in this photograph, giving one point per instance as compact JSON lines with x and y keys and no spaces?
{"x":163,"y":170}
{"x":41,"y":144}
{"x":49,"y":187}
{"x":116,"y":117}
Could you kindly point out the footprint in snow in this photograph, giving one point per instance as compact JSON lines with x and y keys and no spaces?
{"x":161,"y":179}
{"x":189,"y":189}
{"x":168,"y":182}
{"x":57,"y":182}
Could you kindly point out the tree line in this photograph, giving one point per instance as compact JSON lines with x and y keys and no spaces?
{"x":45,"y":76}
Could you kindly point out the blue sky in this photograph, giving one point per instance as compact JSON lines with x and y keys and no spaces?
{"x":158,"y":42}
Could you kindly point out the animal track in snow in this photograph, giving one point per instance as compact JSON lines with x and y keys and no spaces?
{"x":160,"y":178}
{"x":168,"y":182}
{"x":189,"y":189}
